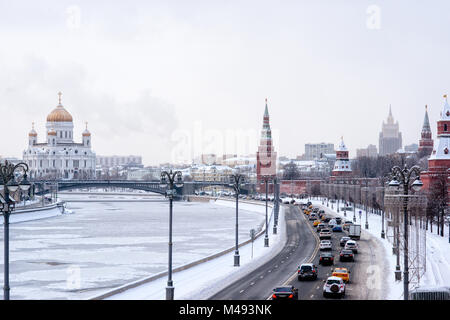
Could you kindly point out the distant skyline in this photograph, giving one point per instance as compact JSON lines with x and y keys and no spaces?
{"x":172,"y":79}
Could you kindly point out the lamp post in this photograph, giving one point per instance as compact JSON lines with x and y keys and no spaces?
{"x":266,"y":180}
{"x":235,"y":181}
{"x":403,"y":178}
{"x":170,"y":179}
{"x":7,"y":204}
{"x":366,"y":202}
{"x":276,"y":200}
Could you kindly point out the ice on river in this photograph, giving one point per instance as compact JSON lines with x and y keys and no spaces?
{"x":105,"y":245}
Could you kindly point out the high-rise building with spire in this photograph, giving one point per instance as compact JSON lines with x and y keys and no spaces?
{"x":266,"y":157}
{"x":426,"y":141}
{"x":390,"y":139}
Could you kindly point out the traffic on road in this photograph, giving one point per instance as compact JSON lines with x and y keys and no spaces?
{"x":329,"y":275}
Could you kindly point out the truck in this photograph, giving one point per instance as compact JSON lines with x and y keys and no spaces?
{"x":354,"y":231}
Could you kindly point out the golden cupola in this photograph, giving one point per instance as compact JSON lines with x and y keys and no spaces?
{"x":52,"y":132}
{"x":33,"y":132}
{"x":59,"y":114}
{"x":86,"y":132}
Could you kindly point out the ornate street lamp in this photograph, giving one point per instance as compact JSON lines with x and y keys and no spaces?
{"x":236,"y":181}
{"x":169,"y":180}
{"x":7,"y":204}
{"x":404,"y":178}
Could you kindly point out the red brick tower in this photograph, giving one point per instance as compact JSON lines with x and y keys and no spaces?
{"x":426,"y":141}
{"x":342,"y":167}
{"x":439,"y":161}
{"x":266,"y":157}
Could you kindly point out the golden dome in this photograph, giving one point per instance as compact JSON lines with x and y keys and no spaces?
{"x":59,"y":114}
{"x":52,"y":132}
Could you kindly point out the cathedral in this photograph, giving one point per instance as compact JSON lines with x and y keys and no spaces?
{"x":59,"y":156}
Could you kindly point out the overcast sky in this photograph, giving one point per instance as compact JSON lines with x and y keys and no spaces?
{"x":171,"y":79}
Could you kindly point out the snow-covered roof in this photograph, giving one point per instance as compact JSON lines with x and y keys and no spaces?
{"x":342,"y":146}
{"x":445,"y":113}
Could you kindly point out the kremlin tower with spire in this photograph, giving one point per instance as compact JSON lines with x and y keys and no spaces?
{"x":342,"y":167}
{"x":439,"y":161}
{"x":426,"y":141}
{"x":266,"y":157}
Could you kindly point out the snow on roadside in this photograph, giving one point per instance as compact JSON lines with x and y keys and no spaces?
{"x":204,"y":280}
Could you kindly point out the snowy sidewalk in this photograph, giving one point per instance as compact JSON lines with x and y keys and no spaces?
{"x":204,"y":280}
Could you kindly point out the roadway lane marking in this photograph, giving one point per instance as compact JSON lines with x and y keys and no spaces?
{"x":252,"y":283}
{"x":261,"y":277}
{"x":316,"y":249}
{"x":241,"y":291}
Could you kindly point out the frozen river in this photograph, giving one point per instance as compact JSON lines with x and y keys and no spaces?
{"x":105,"y":245}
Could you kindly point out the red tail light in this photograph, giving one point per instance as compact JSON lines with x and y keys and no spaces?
{"x":320,"y":258}
{"x":274,"y":296}
{"x":291,"y":296}
{"x":341,"y":254}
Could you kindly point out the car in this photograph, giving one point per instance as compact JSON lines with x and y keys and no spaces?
{"x":321,"y":226}
{"x":334,"y":286}
{"x":325,"y":234}
{"x":287,"y":292}
{"x":307,"y":271}
{"x":338,"y":220}
{"x":326,"y":219}
{"x":326,"y":258}
{"x":343,"y":241}
{"x":346,"y":225}
{"x":316,"y":223}
{"x":332,"y":223}
{"x":312,"y":216}
{"x":325,"y":245}
{"x":342,"y":273}
{"x":351,"y":245}
{"x":321,"y":211}
{"x":337,"y":228}
{"x":316,"y":210}
{"x":346,"y":255}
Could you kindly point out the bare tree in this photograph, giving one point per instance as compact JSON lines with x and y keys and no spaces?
{"x":437,"y":201}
